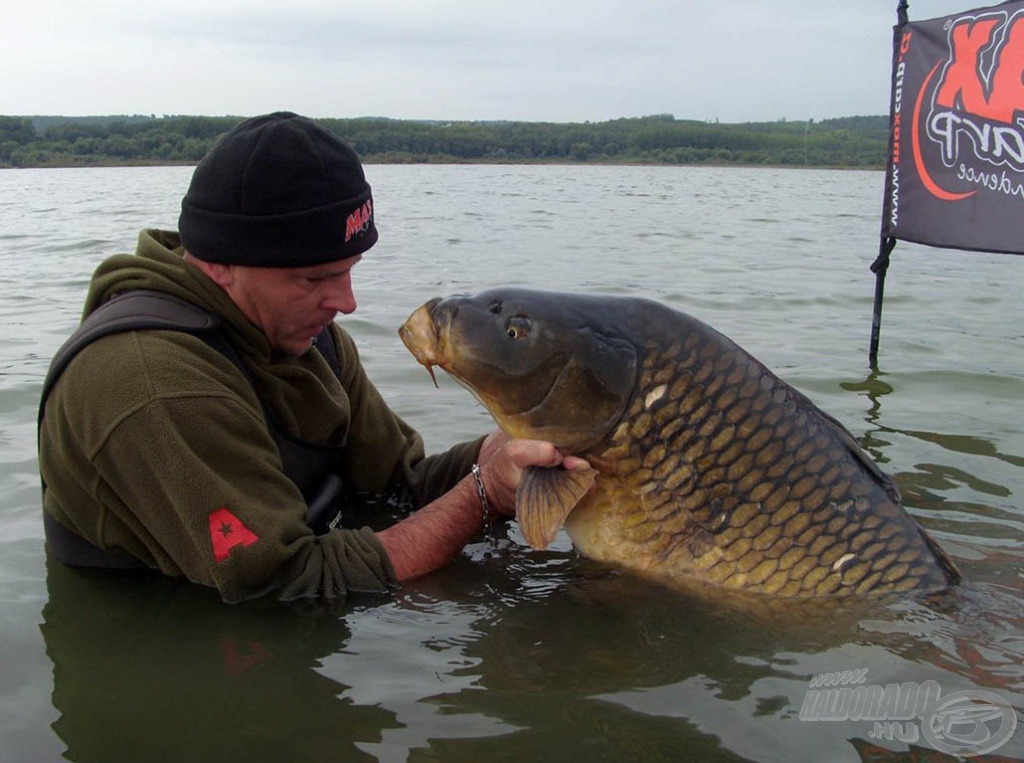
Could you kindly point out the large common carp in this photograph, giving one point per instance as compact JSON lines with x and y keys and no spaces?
{"x":707,"y":468}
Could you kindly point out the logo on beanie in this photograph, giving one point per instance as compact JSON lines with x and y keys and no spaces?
{"x":359,"y":221}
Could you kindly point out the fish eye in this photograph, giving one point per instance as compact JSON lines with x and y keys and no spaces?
{"x":518,"y":326}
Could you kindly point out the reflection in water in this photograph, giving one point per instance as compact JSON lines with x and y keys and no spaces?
{"x":875,"y":388}
{"x":923,"y":487}
{"x":553,"y":656}
{"x":150,"y":669}
{"x":506,"y":654}
{"x":564,"y":667}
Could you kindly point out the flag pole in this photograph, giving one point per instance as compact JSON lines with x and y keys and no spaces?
{"x":879,"y":268}
{"x":886,"y":244}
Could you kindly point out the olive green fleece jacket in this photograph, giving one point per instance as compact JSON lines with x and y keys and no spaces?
{"x":152,"y":441}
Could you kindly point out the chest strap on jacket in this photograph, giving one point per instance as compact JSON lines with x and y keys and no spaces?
{"x":307,"y":465}
{"x":131,"y":311}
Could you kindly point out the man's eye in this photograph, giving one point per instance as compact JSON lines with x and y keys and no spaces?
{"x":314,"y":280}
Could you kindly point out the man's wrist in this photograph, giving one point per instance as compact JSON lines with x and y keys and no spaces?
{"x":485,"y":506}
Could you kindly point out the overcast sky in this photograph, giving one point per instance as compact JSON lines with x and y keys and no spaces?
{"x":532,"y":60}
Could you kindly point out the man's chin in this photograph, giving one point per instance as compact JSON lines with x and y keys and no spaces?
{"x":292,"y":350}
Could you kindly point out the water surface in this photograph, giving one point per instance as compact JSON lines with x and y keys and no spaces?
{"x":511,"y":653}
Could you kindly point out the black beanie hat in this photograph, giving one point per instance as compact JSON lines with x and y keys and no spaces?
{"x":278,"y":190}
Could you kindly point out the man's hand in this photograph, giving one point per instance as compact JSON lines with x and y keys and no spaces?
{"x":429,"y":538}
{"x":502,"y":461}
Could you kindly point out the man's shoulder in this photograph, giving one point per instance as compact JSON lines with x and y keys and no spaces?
{"x":135,"y":366}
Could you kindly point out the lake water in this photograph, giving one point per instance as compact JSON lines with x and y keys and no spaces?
{"x":511,"y":653}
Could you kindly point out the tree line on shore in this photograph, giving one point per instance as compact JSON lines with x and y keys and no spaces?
{"x":861,"y":142}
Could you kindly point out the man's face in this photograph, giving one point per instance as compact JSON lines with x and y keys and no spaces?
{"x":292,"y":305}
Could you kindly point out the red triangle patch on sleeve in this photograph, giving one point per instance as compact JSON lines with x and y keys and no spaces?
{"x":226,"y":532}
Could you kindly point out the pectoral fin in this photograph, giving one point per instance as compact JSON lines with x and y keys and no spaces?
{"x":545,"y":497}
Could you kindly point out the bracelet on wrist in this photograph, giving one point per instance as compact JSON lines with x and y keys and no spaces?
{"x":485,"y":507}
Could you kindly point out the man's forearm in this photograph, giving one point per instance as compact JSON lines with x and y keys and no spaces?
{"x":430,"y":538}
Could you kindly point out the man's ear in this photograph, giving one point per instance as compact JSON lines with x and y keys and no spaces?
{"x":221,"y":274}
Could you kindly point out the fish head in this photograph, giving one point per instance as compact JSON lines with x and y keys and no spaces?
{"x":546,"y":366}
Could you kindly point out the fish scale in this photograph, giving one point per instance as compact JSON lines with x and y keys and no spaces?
{"x":707,"y":468}
{"x":801,"y":526}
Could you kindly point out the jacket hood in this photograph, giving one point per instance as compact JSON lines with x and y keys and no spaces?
{"x":158,"y":265}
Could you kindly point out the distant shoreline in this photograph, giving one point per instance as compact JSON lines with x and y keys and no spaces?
{"x":376,"y":161}
{"x":656,"y":140}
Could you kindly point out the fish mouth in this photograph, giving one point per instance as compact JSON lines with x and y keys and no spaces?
{"x":426,"y":337}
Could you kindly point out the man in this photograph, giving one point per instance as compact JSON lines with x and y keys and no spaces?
{"x":209,"y":417}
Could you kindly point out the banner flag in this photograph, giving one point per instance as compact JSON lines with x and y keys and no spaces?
{"x":955,"y":175}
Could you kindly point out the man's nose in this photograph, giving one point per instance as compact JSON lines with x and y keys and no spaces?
{"x":340,"y":297}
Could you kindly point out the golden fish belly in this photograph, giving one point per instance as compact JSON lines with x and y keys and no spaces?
{"x":789,"y":552}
